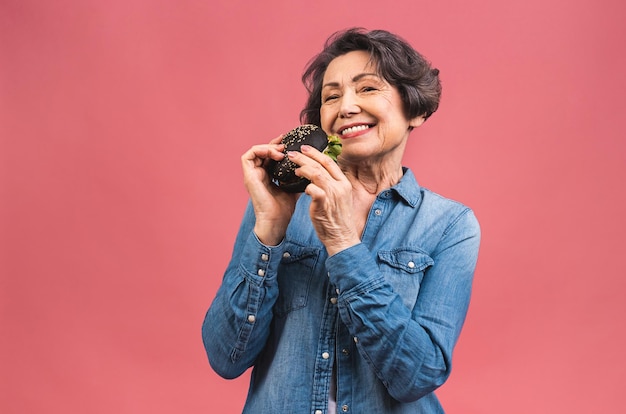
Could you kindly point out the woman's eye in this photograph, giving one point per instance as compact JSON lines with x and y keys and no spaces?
{"x":368,"y":89}
{"x":330,"y":98}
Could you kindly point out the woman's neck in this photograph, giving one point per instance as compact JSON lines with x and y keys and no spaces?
{"x":373,"y":180}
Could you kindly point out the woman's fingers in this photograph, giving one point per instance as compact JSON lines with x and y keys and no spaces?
{"x":316,"y":166}
{"x":328,"y":163}
{"x":331,"y":195}
{"x":255,"y":158}
{"x":273,"y":207}
{"x":273,"y":150}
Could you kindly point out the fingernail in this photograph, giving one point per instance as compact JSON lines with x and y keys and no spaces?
{"x":291,"y":154}
{"x":305,"y":147}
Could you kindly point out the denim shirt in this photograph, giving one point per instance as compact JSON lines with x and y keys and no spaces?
{"x":382,"y":316}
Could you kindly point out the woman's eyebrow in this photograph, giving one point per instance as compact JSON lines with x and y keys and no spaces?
{"x":354,"y":79}
{"x":363,"y":75}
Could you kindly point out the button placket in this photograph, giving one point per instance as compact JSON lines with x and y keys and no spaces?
{"x":265,"y":257}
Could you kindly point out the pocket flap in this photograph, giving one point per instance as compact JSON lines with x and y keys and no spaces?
{"x":409,"y":260}
{"x":296,"y":253}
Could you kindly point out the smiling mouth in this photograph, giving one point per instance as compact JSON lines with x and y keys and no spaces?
{"x":352,"y":130}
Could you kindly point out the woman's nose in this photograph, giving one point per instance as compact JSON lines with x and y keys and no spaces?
{"x":349,"y":105}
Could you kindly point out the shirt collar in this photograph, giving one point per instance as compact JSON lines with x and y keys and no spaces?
{"x":408,"y":188}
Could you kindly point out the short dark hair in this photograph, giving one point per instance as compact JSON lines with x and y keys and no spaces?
{"x":395,"y":60}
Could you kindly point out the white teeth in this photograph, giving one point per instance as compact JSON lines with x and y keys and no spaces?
{"x":354,"y":129}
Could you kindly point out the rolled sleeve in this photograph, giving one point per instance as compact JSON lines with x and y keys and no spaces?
{"x":353,"y":269}
{"x":410,"y":350}
{"x":236,"y":326}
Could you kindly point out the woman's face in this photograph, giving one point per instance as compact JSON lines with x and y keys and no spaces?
{"x":364,"y":110}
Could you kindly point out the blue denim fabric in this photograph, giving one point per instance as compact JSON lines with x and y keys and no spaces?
{"x":386,"y":312}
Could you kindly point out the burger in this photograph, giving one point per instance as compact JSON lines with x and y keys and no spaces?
{"x":283,"y":172}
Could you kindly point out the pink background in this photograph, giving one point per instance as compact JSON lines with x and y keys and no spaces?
{"x":122,"y":123}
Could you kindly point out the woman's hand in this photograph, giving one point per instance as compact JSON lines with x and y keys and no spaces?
{"x":273,"y":207}
{"x":331,"y":199}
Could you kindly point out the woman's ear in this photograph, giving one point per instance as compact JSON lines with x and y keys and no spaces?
{"x":417,"y":121}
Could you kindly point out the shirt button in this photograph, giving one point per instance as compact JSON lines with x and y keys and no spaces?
{"x":333,"y":301}
{"x":251,"y":318}
{"x":261,"y":272}
{"x":378,"y":212}
{"x":355,"y":339}
{"x":318,"y":411}
{"x":325,"y":355}
{"x":286,"y":255}
{"x":337,"y":291}
{"x":411,"y":265}
{"x":265,"y":257}
{"x":345,"y":352}
{"x":344,"y":408}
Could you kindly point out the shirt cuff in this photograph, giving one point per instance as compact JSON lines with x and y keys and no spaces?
{"x":353,"y":268}
{"x":259,"y":261}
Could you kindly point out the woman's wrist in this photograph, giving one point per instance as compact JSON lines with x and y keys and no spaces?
{"x":269,"y":235}
{"x":338,"y":246}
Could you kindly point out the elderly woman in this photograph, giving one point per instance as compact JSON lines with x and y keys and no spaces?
{"x":351,"y":296}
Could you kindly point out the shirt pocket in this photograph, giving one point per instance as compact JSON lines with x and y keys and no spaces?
{"x":294,"y":277}
{"x":404,"y":269}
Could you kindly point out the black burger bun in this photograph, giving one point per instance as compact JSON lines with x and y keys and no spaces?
{"x":282,"y":173}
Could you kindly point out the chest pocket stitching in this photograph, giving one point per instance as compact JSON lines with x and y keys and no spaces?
{"x":299,"y":254}
{"x":410,"y":265}
{"x":403,"y":258}
{"x":296,"y":268}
